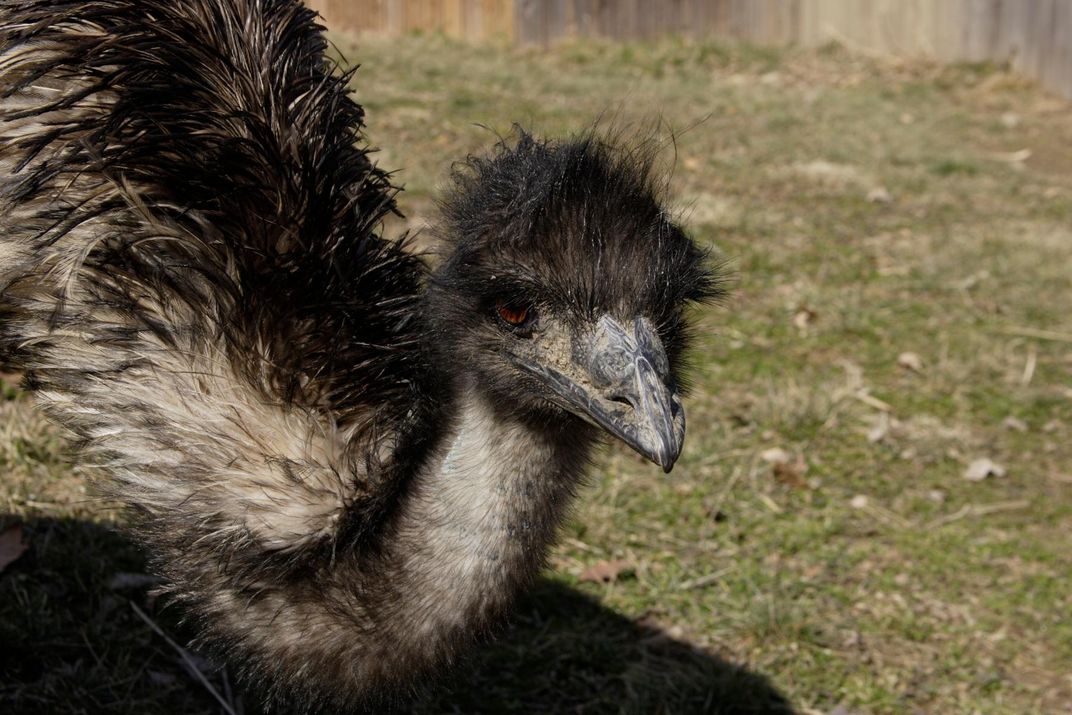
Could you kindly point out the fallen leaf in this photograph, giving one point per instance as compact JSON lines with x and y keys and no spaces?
{"x":980,"y":469}
{"x":1014,"y":157}
{"x":973,"y":280}
{"x":607,"y":571}
{"x":775,"y":455}
{"x":879,"y":195}
{"x":11,"y":546}
{"x":803,"y":318}
{"x":910,"y":361}
{"x":787,"y":469}
{"x":1010,"y":120}
{"x":792,"y":473}
{"x":882,"y":428}
{"x":1015,"y":424}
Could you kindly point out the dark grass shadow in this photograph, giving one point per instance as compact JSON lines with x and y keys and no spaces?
{"x":566,"y":653}
{"x":72,"y":643}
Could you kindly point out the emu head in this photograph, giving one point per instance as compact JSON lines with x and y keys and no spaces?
{"x":565,"y":289}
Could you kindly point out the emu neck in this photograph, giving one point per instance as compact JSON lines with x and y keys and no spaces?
{"x":482,"y":513}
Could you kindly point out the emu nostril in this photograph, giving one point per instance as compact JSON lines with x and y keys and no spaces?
{"x":621,"y":399}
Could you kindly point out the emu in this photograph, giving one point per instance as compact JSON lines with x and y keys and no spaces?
{"x":344,"y":464}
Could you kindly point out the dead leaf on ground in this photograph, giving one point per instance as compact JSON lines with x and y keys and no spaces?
{"x":879,"y":195}
{"x":11,"y":546}
{"x":882,"y":428}
{"x":1010,"y":120}
{"x":804,"y":318}
{"x":787,"y":469}
{"x":792,"y":474}
{"x":980,"y":469}
{"x":607,"y":571}
{"x":973,"y":280}
{"x":775,"y":455}
{"x":910,"y":361}
{"x":1013,"y":157}
{"x":1015,"y":424}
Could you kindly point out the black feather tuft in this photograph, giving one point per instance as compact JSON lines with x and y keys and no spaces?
{"x":224,"y":125}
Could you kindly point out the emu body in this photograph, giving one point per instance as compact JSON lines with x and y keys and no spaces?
{"x":346,"y":466}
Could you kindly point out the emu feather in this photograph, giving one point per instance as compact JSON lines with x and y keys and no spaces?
{"x":345,"y":466}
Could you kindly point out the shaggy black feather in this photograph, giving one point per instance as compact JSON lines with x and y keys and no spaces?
{"x":230,"y":122}
{"x":193,"y":278}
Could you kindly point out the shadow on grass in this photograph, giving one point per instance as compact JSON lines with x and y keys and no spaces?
{"x":72,"y":643}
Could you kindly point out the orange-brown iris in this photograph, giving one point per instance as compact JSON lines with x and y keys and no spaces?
{"x":513,"y":314}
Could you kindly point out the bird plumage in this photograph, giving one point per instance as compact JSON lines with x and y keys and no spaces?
{"x":344,"y":465}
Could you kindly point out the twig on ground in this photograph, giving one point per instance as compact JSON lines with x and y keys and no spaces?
{"x":1029,"y":366}
{"x":186,"y":658}
{"x":975,"y":510}
{"x":722,"y":456}
{"x":1051,"y":335}
{"x":702,"y":581}
{"x":889,"y":516}
{"x":871,"y":401}
{"x":770,"y":503}
{"x":580,"y":545}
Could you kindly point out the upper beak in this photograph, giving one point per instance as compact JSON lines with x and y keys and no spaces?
{"x":621,"y":383}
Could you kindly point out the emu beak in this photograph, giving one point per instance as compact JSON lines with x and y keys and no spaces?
{"x":620,"y":382}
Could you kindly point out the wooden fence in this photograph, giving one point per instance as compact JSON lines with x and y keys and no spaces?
{"x":1035,"y":36}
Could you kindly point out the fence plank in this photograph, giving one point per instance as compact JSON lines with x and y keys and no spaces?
{"x":1034,"y":36}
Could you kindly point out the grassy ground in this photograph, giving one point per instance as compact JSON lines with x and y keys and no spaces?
{"x":901,"y":236}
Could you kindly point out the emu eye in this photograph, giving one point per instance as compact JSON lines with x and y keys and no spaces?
{"x":515,"y":315}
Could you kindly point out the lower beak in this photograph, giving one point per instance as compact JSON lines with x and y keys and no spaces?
{"x":622,"y":385}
